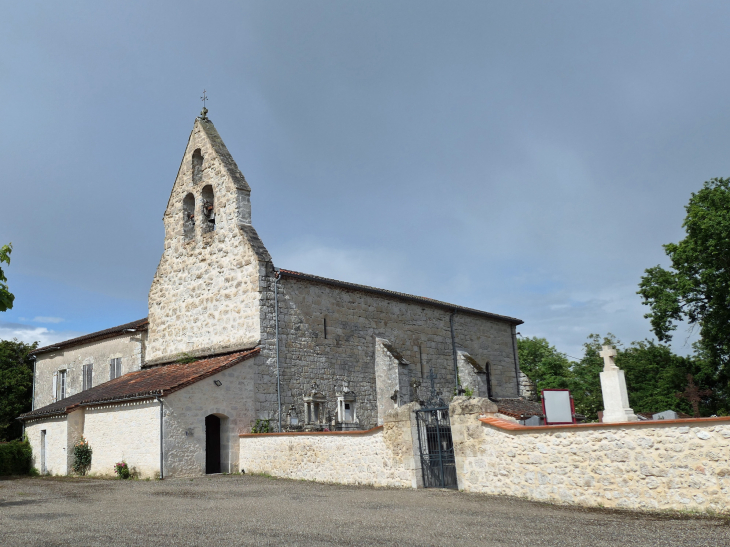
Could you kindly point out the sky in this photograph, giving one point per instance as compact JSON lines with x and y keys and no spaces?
{"x":524,"y":158}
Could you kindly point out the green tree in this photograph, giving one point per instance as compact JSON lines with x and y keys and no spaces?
{"x":696,"y":288}
{"x":16,"y":385}
{"x":543,"y":364}
{"x":6,"y":297}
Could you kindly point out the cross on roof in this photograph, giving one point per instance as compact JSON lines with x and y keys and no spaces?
{"x":204,"y":112}
{"x":608,"y":353}
{"x":694,"y":395}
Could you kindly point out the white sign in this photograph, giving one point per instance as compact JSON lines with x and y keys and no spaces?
{"x":558,"y":407}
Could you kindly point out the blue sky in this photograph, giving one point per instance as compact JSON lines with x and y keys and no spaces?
{"x":525,"y":158}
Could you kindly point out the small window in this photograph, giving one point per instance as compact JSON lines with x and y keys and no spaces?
{"x":197,"y":166}
{"x":115,"y":368}
{"x":61,"y":389}
{"x":88,"y":373}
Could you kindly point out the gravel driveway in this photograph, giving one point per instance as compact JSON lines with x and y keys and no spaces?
{"x":251,"y":510}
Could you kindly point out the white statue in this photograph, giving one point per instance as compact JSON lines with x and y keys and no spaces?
{"x":613,"y":386}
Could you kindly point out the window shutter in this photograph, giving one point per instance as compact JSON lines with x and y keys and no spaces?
{"x":55,"y":385}
{"x":111,"y":370}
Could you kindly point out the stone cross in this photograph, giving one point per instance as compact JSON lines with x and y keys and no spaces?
{"x":608,"y":353}
{"x":613,"y":388}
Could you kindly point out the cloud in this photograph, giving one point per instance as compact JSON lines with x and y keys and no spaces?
{"x":42,"y":319}
{"x":30,"y":334}
{"x":373,"y":267}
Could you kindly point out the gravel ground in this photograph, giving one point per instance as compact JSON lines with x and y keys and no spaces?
{"x":253,"y":510}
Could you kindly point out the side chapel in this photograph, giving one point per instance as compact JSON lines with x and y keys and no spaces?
{"x":233,"y":343}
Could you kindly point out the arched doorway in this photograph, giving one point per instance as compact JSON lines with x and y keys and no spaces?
{"x":212,"y":444}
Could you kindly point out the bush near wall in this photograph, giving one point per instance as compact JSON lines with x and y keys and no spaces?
{"x":15,"y":458}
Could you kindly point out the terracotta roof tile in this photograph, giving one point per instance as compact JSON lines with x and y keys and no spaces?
{"x":146,"y":383}
{"x":520,"y":409}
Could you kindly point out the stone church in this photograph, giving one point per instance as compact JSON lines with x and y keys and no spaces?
{"x":233,"y":344}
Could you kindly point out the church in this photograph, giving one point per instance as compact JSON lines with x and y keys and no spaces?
{"x":234,"y":344}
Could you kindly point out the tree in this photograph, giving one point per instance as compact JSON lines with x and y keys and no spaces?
{"x":696,"y":288}
{"x":16,"y":385}
{"x":6,"y":297}
{"x":543,"y":364}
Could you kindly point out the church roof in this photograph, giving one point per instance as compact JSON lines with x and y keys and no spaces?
{"x":398,"y":295}
{"x":138,"y":325}
{"x":145,"y":384}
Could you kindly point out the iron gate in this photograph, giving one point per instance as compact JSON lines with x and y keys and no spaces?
{"x":438,"y":464}
{"x":436,"y":448}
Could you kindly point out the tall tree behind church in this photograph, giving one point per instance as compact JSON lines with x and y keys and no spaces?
{"x":16,"y":385}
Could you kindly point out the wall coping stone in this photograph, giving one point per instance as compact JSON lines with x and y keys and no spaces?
{"x":512,"y":426}
{"x":294,"y":433}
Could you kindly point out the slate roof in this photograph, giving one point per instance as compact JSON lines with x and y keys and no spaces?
{"x":147,"y":383}
{"x":399,"y":295}
{"x":138,"y":325}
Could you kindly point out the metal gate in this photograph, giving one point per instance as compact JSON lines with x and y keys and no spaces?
{"x":438,"y":464}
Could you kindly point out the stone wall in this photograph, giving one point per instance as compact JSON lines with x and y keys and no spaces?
{"x":129,"y":347}
{"x":355,"y":319}
{"x":382,"y":456}
{"x":56,"y":443}
{"x":123,"y":432}
{"x":205,"y":294}
{"x":677,"y":465}
{"x":185,"y":412}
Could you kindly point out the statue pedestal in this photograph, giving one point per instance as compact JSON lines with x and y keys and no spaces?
{"x":615,"y":397}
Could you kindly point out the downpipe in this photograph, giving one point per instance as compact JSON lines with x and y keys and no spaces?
{"x":162,"y":454}
{"x":277,"y":278}
{"x":453,"y":349}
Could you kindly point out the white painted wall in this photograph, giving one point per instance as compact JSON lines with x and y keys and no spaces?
{"x":56,"y":443}
{"x":129,"y":432}
{"x":129,"y":347}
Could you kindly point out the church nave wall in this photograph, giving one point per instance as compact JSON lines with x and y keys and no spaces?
{"x":421,"y":333}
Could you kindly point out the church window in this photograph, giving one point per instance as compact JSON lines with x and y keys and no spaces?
{"x":189,"y":216}
{"x":197,"y":166}
{"x":115,"y":368}
{"x":325,"y":328}
{"x":88,"y":373}
{"x":208,"y":209}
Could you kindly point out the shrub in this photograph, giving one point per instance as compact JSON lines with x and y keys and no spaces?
{"x":122,"y":470}
{"x":15,"y":458}
{"x":82,"y":457}
{"x":262,"y":426}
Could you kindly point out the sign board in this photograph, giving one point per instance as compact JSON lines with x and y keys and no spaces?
{"x":557,"y":405}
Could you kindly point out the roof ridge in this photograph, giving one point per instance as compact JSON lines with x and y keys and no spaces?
{"x":396,"y":294}
{"x":93,"y":335}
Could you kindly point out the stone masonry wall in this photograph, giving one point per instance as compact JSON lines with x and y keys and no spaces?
{"x":420,"y":332}
{"x":185,"y":412}
{"x":128,"y":347}
{"x":205,"y":294}
{"x":641,"y":465}
{"x":380,"y":457}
